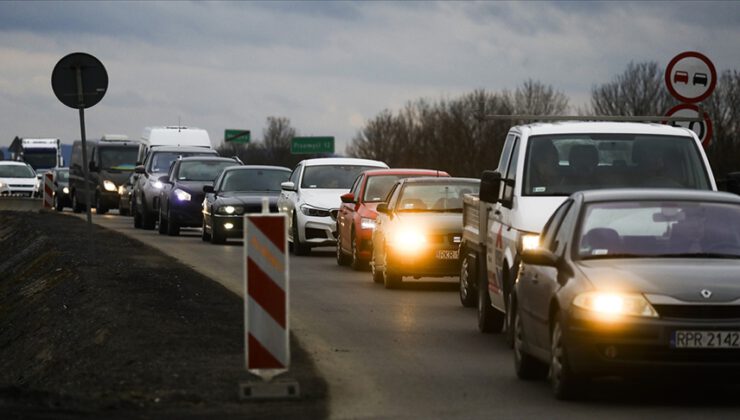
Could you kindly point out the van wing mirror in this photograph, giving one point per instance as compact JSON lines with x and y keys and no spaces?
{"x":288,"y":186}
{"x":490,"y":186}
{"x":139,"y":169}
{"x":383,"y":208}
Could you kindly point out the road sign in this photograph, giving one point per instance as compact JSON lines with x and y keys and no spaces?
{"x":266,"y":294}
{"x":311,"y":145}
{"x":690,"y":77}
{"x":703,"y":128}
{"x":237,"y":136}
{"x":79,"y":80}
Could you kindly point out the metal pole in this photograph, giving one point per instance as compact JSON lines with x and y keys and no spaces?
{"x":85,"y":168}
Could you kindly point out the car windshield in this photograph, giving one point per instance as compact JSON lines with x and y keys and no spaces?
{"x":16,"y":171}
{"x":161,"y":161}
{"x":40,"y":158}
{"x":435,"y":197}
{"x":63,"y":176}
{"x":378,"y":186}
{"x":660,"y":229}
{"x":563,"y":164}
{"x":121,"y":158}
{"x":254,"y":180}
{"x":202,"y":170}
{"x":332,"y":176}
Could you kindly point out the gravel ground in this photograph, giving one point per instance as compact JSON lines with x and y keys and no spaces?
{"x":129,"y":332}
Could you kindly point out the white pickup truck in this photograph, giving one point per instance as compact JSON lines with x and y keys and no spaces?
{"x":543,"y":163}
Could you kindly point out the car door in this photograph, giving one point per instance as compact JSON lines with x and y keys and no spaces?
{"x":383,"y":222}
{"x":287,"y":199}
{"x":346,"y":215}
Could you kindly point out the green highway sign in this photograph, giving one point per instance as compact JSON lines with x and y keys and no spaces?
{"x":311,"y":145}
{"x":236,"y":136}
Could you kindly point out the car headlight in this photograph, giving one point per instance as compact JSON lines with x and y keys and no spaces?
{"x":408,"y":240}
{"x":313,"y":211}
{"x":367,"y":223}
{"x":157,"y":184}
{"x":109,"y":185}
{"x":182,"y":195}
{"x":530,"y":241}
{"x":615,"y":304}
{"x":231,"y":210}
{"x":65,"y":190}
{"x":1,"y":185}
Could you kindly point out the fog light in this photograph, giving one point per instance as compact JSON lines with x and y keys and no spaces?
{"x":610,"y":352}
{"x":228,"y":226}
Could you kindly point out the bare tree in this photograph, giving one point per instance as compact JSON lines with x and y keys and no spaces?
{"x":640,"y":90}
{"x":723,"y":107}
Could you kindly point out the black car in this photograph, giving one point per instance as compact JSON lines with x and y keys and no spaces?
{"x":237,"y":191}
{"x":181,"y":198}
{"x":62,"y":198}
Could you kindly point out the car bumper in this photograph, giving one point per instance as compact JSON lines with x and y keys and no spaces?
{"x":19,"y":191}
{"x":425,"y":263}
{"x":222,"y":223}
{"x":317,"y":231}
{"x":636,"y":346}
{"x":187,"y":214}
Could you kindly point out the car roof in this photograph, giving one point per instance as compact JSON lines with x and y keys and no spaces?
{"x":648,"y":194}
{"x":404,"y":171}
{"x":595,"y":127}
{"x":243,"y":167}
{"x":437,"y":180}
{"x":181,"y":149}
{"x":13,"y":162}
{"x":208,"y":158}
{"x":344,"y":161}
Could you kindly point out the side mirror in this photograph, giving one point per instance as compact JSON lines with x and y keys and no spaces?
{"x":288,"y":186}
{"x":208,"y":189}
{"x":347,"y":198}
{"x":139,"y":169}
{"x":383,"y":208}
{"x":539,"y":256}
{"x":165,"y":179}
{"x":490,"y":186}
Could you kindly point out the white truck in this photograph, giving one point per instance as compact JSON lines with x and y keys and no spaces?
{"x":540,"y":165}
{"x":42,"y":154}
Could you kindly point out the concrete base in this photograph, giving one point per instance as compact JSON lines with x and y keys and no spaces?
{"x":261,"y":390}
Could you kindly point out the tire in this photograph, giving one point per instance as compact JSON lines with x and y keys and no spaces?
{"x":100,"y":208}
{"x":205,"y":236}
{"x":489,"y":319}
{"x":162,"y":228}
{"x":76,"y":206}
{"x":172,"y":227}
{"x":137,"y":214}
{"x":527,"y":367}
{"x":217,"y":237}
{"x":299,"y":249}
{"x":377,"y":274}
{"x":391,"y":280}
{"x":342,"y":259}
{"x":356,"y":262}
{"x":58,"y":203}
{"x":565,"y":385}
{"x":466,"y":290}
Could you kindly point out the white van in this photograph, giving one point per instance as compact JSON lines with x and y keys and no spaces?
{"x":172,"y":136}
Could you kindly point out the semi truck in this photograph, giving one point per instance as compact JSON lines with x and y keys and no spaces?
{"x":43,"y":154}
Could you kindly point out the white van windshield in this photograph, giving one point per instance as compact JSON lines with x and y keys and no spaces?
{"x":563,"y":164}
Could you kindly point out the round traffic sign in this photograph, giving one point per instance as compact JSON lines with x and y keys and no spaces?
{"x":92,"y":75}
{"x":703,"y":128}
{"x":690,"y":77}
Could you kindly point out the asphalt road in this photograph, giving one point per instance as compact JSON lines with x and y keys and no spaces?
{"x":415,"y":352}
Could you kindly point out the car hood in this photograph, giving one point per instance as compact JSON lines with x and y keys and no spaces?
{"x":322,"y":198}
{"x":246,"y":198}
{"x":679,"y":278}
{"x":437,"y":222}
{"x":369,"y":210}
{"x":19,"y":181}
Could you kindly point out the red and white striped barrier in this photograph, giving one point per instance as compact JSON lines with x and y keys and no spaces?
{"x":48,"y":186}
{"x":266,"y":294}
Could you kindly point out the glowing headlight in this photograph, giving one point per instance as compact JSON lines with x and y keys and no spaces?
{"x":64,"y":190}
{"x":109,"y":185}
{"x":121,"y":190}
{"x":313,"y":211}
{"x":182,"y":195}
{"x":231,"y":210}
{"x":1,"y":185}
{"x":157,"y":184}
{"x":409,"y":240}
{"x":615,"y":304}
{"x":530,"y":241}
{"x":366,"y":223}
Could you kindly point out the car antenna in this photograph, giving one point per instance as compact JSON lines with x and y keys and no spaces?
{"x":179,"y":123}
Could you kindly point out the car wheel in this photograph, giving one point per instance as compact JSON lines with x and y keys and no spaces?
{"x":489,"y":319}
{"x":99,"y":207}
{"x":356,"y":262}
{"x":217,"y":237}
{"x":377,"y":274}
{"x":391,"y":280}
{"x":341,"y":257}
{"x":299,"y":248}
{"x":205,"y":236}
{"x":137,"y":215}
{"x":565,"y":385}
{"x":162,"y":228}
{"x":467,"y":278}
{"x":526,"y":366}
{"x":76,"y":206}
{"x":148,"y":219}
{"x":57,"y":203}
{"x":173,"y":227}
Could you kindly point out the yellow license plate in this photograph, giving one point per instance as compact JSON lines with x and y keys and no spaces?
{"x":447,"y":254}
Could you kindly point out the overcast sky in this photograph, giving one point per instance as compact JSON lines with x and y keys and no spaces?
{"x":327,"y":66}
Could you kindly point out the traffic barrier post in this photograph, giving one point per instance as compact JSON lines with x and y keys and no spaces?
{"x":48,"y":186}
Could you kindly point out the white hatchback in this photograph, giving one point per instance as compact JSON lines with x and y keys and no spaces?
{"x":311,"y":198}
{"x":17,"y":178}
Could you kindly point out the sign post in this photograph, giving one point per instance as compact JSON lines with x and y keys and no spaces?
{"x":311,"y":145}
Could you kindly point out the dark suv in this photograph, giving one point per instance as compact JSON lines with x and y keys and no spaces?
{"x":181,"y":198}
{"x":147,"y":186}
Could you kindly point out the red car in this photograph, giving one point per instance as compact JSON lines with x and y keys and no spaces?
{"x":356,"y":217}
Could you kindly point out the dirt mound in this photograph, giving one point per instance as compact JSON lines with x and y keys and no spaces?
{"x":125,"y":331}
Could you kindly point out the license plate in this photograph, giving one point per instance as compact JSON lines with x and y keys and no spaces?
{"x":706,"y":340}
{"x":447,"y":254}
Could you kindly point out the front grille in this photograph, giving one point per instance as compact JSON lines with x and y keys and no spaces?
{"x":312,"y":233}
{"x":20,"y":186}
{"x":333,"y":214}
{"x":699,"y":311}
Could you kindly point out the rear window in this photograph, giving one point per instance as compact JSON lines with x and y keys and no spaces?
{"x":563,"y":164}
